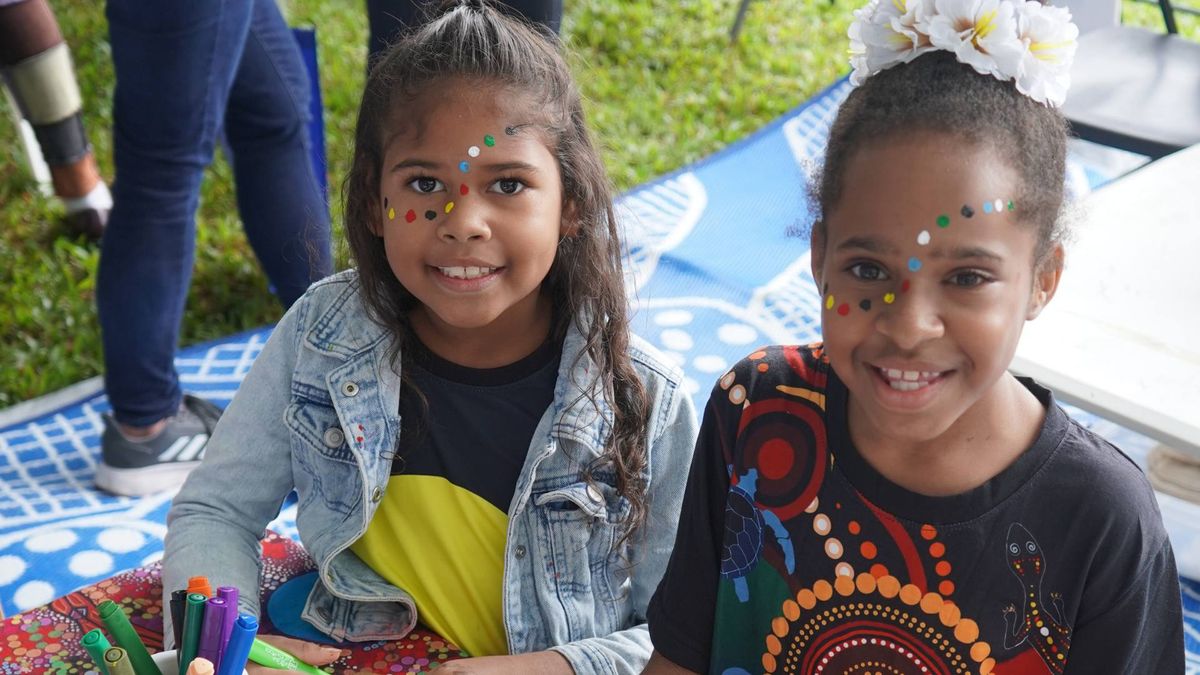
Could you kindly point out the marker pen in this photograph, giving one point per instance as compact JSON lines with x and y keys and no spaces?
{"x":178,"y":603}
{"x":193,"y":622}
{"x":274,"y":657}
{"x":127,"y":638}
{"x":233,"y":661}
{"x":199,"y":585}
{"x":230,"y":595}
{"x":96,"y":644}
{"x":200,"y":667}
{"x":117,"y":662}
{"x":210,"y":631}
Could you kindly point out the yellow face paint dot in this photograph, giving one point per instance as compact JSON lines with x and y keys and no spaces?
{"x":391,"y":214}
{"x":829,"y":302}
{"x":889,"y":298}
{"x":449,"y":207}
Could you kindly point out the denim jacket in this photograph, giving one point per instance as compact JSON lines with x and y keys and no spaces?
{"x":319,"y":413}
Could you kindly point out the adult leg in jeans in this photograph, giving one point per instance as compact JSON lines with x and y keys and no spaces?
{"x":388,"y":17}
{"x":177,"y":63}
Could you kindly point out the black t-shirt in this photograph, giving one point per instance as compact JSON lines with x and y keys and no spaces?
{"x":794,"y":555}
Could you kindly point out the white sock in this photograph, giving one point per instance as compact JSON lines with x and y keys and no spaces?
{"x":99,"y":199}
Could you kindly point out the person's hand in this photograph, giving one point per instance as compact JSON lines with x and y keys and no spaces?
{"x":307,"y":652}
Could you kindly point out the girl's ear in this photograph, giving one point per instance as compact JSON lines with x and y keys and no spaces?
{"x":816,"y":241}
{"x":1045,"y":281}
{"x":569,"y":226}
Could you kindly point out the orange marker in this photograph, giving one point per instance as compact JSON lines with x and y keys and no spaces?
{"x":200,"y":667}
{"x":199,"y":585}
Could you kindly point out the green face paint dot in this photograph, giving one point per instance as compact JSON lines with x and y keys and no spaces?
{"x":943,"y":220}
{"x":1011,"y":206}
{"x":489,"y":141}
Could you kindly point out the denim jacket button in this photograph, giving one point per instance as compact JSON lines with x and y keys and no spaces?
{"x":350,"y":388}
{"x":594,"y":494}
{"x":519,"y":551}
{"x":376,"y":495}
{"x":334,"y":437}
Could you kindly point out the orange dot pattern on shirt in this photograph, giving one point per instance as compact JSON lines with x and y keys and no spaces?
{"x":861,"y":624}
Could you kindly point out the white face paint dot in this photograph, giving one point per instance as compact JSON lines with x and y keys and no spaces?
{"x":473,"y":151}
{"x":821,"y":524}
{"x":121,"y":540}
{"x":90,"y":564}
{"x":923,"y":238}
{"x":49,"y":542}
{"x":11,"y":569}
{"x":710,"y":363}
{"x":737,"y":334}
{"x":673,"y":317}
{"x":676,"y":339}
{"x":998,"y":205}
{"x":33,"y":594}
{"x":833,"y":548}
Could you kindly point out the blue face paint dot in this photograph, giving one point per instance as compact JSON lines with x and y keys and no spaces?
{"x":987,"y":207}
{"x":464,"y":166}
{"x":914,"y":264}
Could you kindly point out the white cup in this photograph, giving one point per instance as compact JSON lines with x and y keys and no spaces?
{"x":166,"y":663}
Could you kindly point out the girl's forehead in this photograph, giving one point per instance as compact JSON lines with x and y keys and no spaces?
{"x":439,"y":110}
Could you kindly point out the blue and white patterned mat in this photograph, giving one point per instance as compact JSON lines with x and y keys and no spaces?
{"x":718,"y":264}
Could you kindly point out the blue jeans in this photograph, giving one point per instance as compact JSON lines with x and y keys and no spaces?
{"x":185,"y":70}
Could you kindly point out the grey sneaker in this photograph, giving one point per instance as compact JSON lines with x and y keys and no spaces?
{"x":140,"y":467}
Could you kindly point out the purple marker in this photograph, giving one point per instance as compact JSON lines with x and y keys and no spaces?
{"x":230,"y":595}
{"x":210,"y":631}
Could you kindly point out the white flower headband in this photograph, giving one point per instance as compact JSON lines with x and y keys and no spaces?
{"x":1021,"y":40}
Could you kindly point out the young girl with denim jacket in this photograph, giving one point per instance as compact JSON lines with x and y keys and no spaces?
{"x":476,"y":440}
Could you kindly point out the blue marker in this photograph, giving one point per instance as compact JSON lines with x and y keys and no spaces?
{"x":233,"y":661}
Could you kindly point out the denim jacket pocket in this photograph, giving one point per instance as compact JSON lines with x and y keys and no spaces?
{"x":579,"y":525}
{"x":323,"y":465}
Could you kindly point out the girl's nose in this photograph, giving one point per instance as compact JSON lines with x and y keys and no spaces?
{"x":912,"y":319}
{"x":465,"y":221}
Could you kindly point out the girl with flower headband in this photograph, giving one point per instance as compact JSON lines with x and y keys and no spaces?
{"x":893,"y":500}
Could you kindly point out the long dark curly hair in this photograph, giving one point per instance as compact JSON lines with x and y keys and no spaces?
{"x":474,"y":42}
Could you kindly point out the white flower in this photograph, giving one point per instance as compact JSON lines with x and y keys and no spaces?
{"x":885,"y":33}
{"x":980,"y":33}
{"x":1050,"y":40}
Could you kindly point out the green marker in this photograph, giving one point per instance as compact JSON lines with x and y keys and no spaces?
{"x":117,"y":662}
{"x":123,"y":633}
{"x":193,"y":620}
{"x":274,"y":657}
{"x":96,"y":644}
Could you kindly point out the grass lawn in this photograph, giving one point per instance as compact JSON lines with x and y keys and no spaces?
{"x":664,"y":88}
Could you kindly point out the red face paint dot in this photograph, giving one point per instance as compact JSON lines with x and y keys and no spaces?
{"x":410,"y":216}
{"x":843,"y":309}
{"x":463,"y":189}
{"x":904,"y":286}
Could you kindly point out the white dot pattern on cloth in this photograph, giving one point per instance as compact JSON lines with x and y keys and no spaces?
{"x":11,"y":569}
{"x":676,"y":339}
{"x":737,"y":334}
{"x":49,"y":542}
{"x":673,"y":317}
{"x":121,"y":540}
{"x":33,"y":594}
{"x":90,"y":563}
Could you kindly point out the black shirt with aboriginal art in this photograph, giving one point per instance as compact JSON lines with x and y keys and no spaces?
{"x":795,"y":556}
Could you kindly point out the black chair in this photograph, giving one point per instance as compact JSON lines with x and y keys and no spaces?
{"x":1136,"y":89}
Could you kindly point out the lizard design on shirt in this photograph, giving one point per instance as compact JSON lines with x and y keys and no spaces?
{"x":1043,"y":626}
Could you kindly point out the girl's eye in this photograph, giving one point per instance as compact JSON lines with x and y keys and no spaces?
{"x":866,"y":271}
{"x":968,"y":279}
{"x":426,"y":185}
{"x":508,"y":186}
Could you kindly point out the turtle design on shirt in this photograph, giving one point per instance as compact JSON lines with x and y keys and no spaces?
{"x":744,"y":524}
{"x":1043,"y":625}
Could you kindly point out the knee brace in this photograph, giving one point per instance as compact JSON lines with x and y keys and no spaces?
{"x":46,"y":92}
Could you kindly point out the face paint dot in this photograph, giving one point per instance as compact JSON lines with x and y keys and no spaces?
{"x":987,"y":207}
{"x":843,"y":309}
{"x":430,"y":215}
{"x":449,"y":207}
{"x":1011,"y":206}
{"x":943,"y":220}
{"x":464,"y":166}
{"x":889,"y":298}
{"x":999,"y":205}
{"x":385,"y":202}
{"x":463,"y":189}
{"x":410,"y":216}
{"x":829,"y":302}
{"x":510,"y":131}
{"x":865,"y":305}
{"x":391,"y":214}
{"x":914,"y":264}
{"x":967,"y":211}
{"x":904,"y":286}
{"x":923,"y":238}
{"x":489,"y":141}
{"x":473,"y":151}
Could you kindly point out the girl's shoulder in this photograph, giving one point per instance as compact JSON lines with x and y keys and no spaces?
{"x":332,"y":317}
{"x":772,"y":369}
